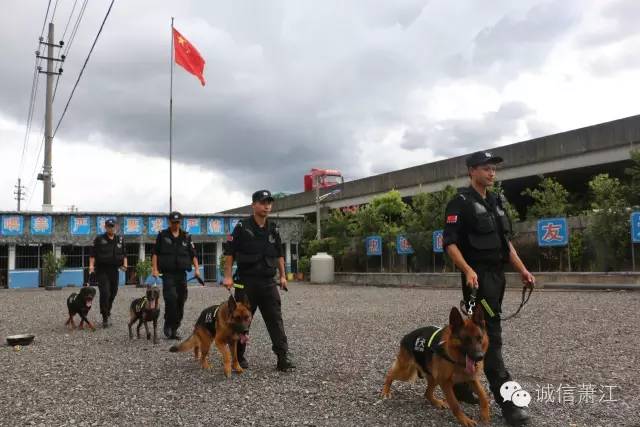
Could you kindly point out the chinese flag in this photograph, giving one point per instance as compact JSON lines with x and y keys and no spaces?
{"x":188,"y":56}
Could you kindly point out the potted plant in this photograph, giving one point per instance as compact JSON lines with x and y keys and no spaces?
{"x":221,"y":261}
{"x":304,"y":266}
{"x":51,"y":268}
{"x":143,"y":270}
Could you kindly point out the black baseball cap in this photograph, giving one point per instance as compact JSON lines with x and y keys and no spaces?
{"x":262,"y":195}
{"x":175,"y":216}
{"x":482,"y":158}
{"x":110,"y":222}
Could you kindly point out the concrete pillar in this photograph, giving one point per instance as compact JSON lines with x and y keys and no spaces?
{"x":57,"y":250}
{"x":141,"y":253}
{"x":287,"y":256}
{"x":12,"y":257}
{"x":218,"y":253}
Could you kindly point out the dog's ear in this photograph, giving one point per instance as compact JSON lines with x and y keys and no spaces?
{"x":455,"y":319}
{"x":231,"y":303}
{"x":244,"y":299}
{"x":478,"y":317}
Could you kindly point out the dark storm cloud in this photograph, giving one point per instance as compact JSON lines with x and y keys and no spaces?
{"x":455,"y":137}
{"x":290,"y":84}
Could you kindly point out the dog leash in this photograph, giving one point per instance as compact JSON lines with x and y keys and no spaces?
{"x":467,"y":308}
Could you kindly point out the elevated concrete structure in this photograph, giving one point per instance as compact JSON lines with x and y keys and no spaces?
{"x":600,"y":148}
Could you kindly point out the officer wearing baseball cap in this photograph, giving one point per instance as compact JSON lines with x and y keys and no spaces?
{"x":256,"y":247}
{"x":476,"y":237}
{"x":173,"y":255}
{"x":107,"y":256}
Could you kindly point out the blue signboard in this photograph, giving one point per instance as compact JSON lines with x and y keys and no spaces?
{"x":403,"y":246}
{"x":232,"y":224}
{"x":191,"y":225}
{"x":157,"y":224}
{"x":133,"y":225}
{"x":373,"y":245}
{"x":438,"y":246}
{"x":12,"y":225}
{"x":100,"y":223}
{"x":635,"y":227}
{"x":553,"y":232}
{"x":215,"y":226}
{"x":79,"y":225}
{"x":41,"y":225}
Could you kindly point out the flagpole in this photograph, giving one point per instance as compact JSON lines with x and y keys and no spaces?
{"x":171,"y":126}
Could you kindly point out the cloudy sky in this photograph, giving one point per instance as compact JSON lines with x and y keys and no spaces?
{"x":364,"y":86}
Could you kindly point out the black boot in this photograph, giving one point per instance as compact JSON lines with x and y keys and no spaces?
{"x":284,"y":362}
{"x":174,"y":335}
{"x":464,"y":393}
{"x":167,"y":331}
{"x":105,"y":321}
{"x":243,"y":361}
{"x":514,"y":415}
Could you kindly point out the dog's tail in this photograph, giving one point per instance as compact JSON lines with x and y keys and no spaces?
{"x":185,"y":345}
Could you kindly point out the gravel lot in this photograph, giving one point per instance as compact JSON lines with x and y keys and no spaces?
{"x":343,"y":340}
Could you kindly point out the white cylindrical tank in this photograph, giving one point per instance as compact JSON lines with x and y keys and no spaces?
{"x":322,"y":268}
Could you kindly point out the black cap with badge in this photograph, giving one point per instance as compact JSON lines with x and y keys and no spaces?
{"x":262,"y":195}
{"x":110,"y":222}
{"x":175,"y":216}
{"x":482,"y":158}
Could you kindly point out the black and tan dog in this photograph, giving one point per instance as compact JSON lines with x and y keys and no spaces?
{"x":80,"y":303}
{"x":225,"y":325}
{"x":445,"y":356}
{"x":143,"y":310}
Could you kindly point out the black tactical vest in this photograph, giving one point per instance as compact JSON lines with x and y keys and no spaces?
{"x":423,"y":343}
{"x":173,"y":253}
{"x":257,"y":253}
{"x":490,"y":227}
{"x":109,"y":252}
{"x":207,"y":319}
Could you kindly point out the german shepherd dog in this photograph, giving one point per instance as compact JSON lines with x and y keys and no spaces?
{"x":143,"y":310}
{"x":80,"y":304}
{"x":454,"y":356}
{"x":225,"y":325}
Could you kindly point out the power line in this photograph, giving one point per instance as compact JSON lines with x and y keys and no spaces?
{"x":83,"y":67}
{"x":45,"y":19}
{"x":67,"y":47}
{"x":54,"y":10}
{"x":69,"y":20}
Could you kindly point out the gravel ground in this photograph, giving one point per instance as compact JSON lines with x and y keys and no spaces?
{"x":343,"y":339}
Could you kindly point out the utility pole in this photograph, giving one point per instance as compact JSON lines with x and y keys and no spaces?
{"x":46,"y":175}
{"x":19,"y":192}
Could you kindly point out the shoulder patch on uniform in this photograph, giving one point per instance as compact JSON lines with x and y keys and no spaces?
{"x":452,"y":219}
{"x":462,"y":196}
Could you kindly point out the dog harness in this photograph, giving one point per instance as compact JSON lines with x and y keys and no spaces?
{"x":207,"y":319}
{"x":142,"y":303}
{"x":423,"y":343}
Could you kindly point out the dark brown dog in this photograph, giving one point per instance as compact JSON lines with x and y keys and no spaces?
{"x":225,"y":325}
{"x":143,"y":310}
{"x":445,"y":357}
{"x":80,"y":304}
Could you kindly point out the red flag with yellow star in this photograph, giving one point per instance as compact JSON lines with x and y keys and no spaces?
{"x":188,"y":56}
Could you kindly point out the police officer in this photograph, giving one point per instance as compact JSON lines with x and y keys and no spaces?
{"x":107,"y":256}
{"x":256,"y":247}
{"x":476,"y":237}
{"x":173,"y":255}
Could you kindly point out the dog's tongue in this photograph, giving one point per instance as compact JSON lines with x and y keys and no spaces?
{"x":88,"y":303}
{"x":471,"y":365}
{"x":244,"y":338}
{"x":152,"y":305}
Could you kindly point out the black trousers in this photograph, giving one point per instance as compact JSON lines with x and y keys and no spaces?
{"x":107,"y":278}
{"x":263,"y":294}
{"x":491,"y":287}
{"x":174,"y":292}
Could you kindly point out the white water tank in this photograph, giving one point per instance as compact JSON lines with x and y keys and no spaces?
{"x":322,"y":268}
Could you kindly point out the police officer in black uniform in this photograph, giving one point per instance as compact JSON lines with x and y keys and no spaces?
{"x":107,"y":256}
{"x":173,"y":255}
{"x":256,"y":247}
{"x":476,"y":237}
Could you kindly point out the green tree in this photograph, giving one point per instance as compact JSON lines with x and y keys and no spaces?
{"x":609,"y":223}
{"x":508,"y":207}
{"x":633,"y":172}
{"x":550,"y":199}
